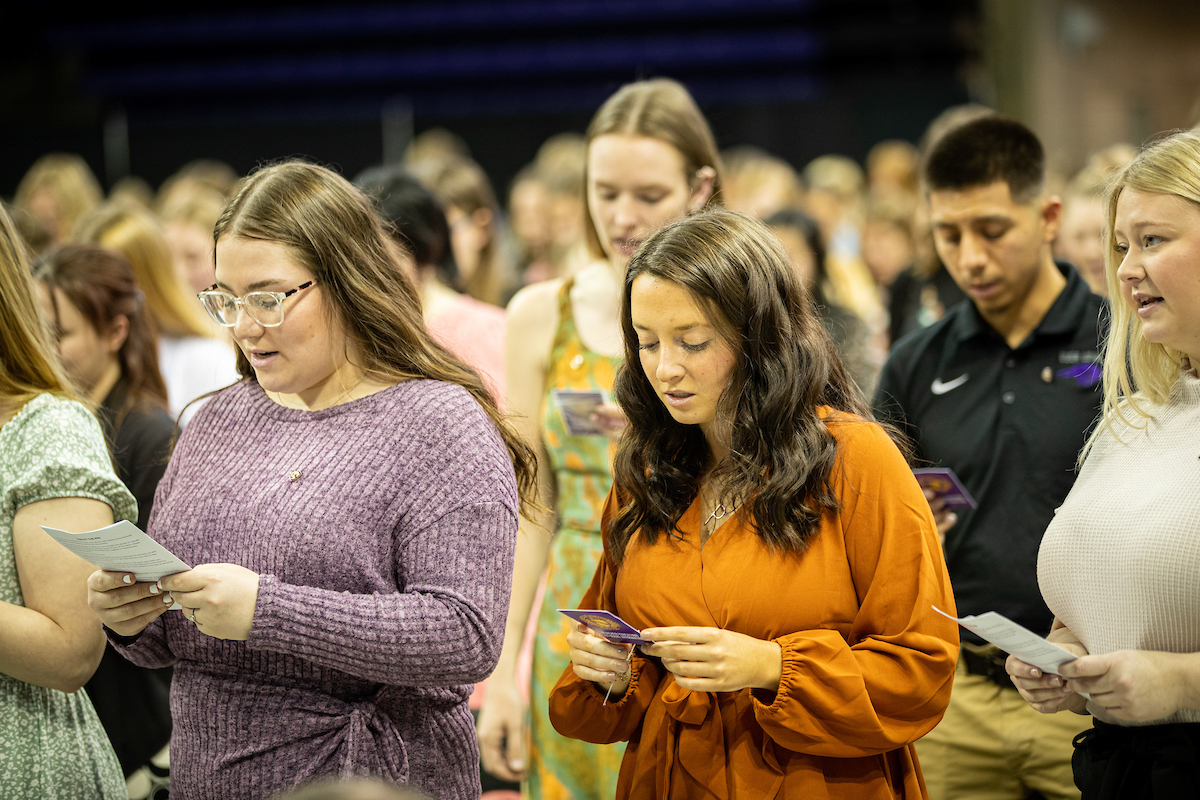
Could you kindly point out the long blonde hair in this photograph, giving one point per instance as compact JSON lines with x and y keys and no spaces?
{"x":29,"y":365}
{"x":1138,"y":372}
{"x":136,"y":235}
{"x":660,"y":109}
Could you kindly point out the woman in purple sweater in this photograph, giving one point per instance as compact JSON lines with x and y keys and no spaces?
{"x":351,"y":511}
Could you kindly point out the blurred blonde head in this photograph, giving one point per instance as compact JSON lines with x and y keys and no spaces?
{"x":137,"y":236}
{"x":1080,"y":239}
{"x":57,"y":190}
{"x":188,"y":224}
{"x":761,"y":184}
{"x":196,"y":176}
{"x":1136,"y":370}
{"x":892,"y":168}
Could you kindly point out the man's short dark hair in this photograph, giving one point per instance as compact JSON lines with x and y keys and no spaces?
{"x":984,"y":151}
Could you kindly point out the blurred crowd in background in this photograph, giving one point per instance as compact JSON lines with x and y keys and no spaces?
{"x":857,"y":232}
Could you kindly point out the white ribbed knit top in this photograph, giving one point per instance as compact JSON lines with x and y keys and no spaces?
{"x":1120,"y":562}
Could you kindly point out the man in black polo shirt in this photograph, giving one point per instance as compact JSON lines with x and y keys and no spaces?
{"x":1002,"y":390}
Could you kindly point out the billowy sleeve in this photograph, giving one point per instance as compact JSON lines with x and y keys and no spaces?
{"x":887,"y":682}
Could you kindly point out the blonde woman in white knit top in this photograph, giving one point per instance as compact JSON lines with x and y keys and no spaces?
{"x":1120,"y":563}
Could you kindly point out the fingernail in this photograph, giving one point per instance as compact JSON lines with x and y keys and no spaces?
{"x":127,"y":579}
{"x":158,"y":583}
{"x":168,"y":599}
{"x":516,"y":764}
{"x":154,"y":588}
{"x":1057,"y":681}
{"x":1037,"y":673}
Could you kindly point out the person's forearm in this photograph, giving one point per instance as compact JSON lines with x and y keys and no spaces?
{"x":38,"y":651}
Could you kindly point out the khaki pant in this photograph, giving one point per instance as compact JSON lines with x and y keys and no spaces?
{"x":991,"y":745}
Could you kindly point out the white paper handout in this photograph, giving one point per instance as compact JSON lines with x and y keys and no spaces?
{"x":121,"y":547}
{"x":1015,"y":639}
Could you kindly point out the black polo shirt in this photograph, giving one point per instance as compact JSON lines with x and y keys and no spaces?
{"x":1010,"y":422}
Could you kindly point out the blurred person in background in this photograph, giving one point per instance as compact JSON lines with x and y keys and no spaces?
{"x":464,"y":191}
{"x":835,"y":199}
{"x":108,"y":348}
{"x":132,"y":190}
{"x":194,"y":356}
{"x":470,"y":329}
{"x":562,"y":164}
{"x":761,"y":184}
{"x":353,"y":789}
{"x":56,"y":191}
{"x":801,"y":239}
{"x":893,"y":170}
{"x":55,"y":470}
{"x":530,"y":222}
{"x":887,"y":240}
{"x":187,"y":225}
{"x":651,"y":159}
{"x":199,"y":175}
{"x":1080,"y":240}
{"x":432,"y":147}
{"x":34,"y":237}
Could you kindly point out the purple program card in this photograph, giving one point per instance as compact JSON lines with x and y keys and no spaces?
{"x":606,"y":624}
{"x":946,"y":485}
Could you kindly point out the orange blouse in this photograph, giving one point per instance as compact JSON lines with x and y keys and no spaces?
{"x":867,"y":663}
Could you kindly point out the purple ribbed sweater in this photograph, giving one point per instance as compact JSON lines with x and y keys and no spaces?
{"x":386,"y":569}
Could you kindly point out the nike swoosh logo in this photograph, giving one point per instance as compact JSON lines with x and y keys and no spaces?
{"x":941,"y":388}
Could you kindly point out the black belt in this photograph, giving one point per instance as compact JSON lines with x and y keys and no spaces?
{"x":987,"y":661}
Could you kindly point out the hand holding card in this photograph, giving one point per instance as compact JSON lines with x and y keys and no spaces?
{"x":606,"y":624}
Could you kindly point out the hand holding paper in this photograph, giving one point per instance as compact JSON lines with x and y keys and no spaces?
{"x":121,"y":547}
{"x":1015,"y":639}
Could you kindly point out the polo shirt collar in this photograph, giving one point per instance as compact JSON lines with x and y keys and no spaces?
{"x":1063,"y":316}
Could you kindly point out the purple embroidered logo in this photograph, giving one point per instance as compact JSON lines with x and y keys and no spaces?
{"x":1086,"y":375}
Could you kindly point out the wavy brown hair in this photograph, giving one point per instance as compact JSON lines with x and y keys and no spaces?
{"x":781,"y":451}
{"x":332,"y":229}
{"x":99,"y":282}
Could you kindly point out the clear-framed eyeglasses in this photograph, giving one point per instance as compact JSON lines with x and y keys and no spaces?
{"x":265,"y":308}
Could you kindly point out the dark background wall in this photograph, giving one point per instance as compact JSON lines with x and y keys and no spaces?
{"x":143,"y":93}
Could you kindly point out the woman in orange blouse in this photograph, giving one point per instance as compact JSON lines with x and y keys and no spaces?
{"x":766,"y":536}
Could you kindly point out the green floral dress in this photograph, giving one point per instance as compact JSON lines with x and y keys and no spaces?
{"x":52,"y":745}
{"x":561,"y":768}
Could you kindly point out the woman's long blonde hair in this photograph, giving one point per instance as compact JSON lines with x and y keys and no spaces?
{"x":1138,"y":372}
{"x":28,"y":363}
{"x":137,"y":236}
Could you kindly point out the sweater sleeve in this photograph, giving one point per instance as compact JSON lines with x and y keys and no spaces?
{"x":446,"y":626}
{"x":887,"y":682}
{"x":577,"y":706}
